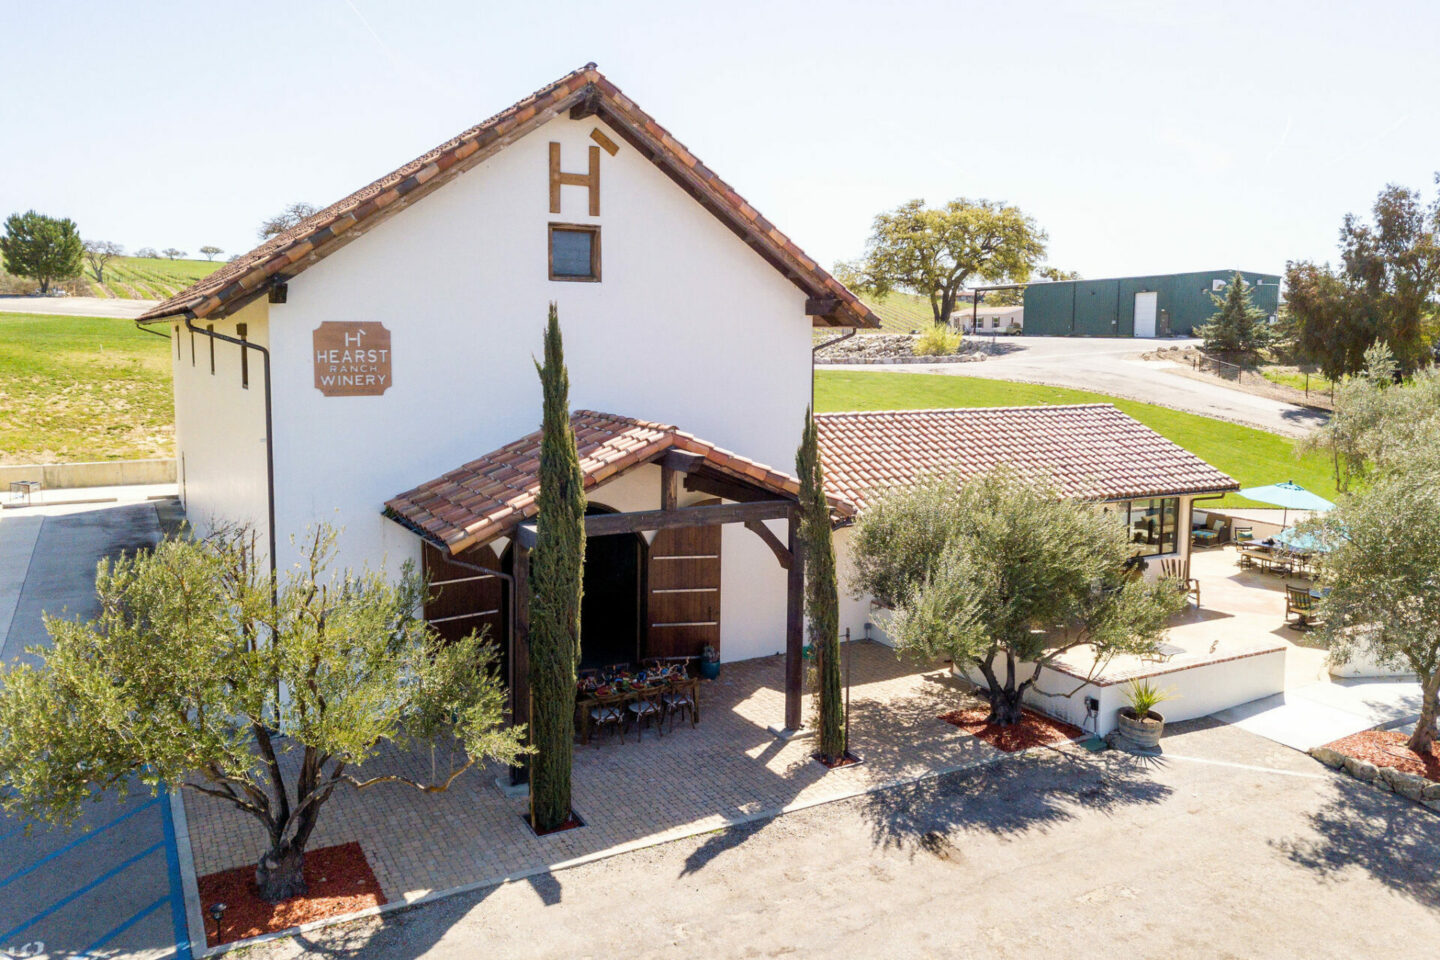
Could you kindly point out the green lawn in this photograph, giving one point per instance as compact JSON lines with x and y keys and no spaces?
{"x":1291,"y":377}
{"x":1251,"y":456}
{"x":82,"y":388}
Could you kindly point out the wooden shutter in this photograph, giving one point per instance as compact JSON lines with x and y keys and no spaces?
{"x":683,"y":613}
{"x":462,"y":599}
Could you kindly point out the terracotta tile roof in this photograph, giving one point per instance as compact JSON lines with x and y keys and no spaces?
{"x":1089,"y":451}
{"x":490,"y":496}
{"x":289,"y":253}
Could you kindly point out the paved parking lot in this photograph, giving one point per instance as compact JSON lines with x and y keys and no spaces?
{"x":111,"y":885}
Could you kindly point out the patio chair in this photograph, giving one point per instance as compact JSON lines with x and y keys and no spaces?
{"x":1300,"y":604}
{"x":683,"y":696}
{"x":1242,"y":534}
{"x":1179,"y":571}
{"x":647,"y":705}
{"x":605,"y":711}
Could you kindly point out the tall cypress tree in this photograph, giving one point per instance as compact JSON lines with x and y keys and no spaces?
{"x":556,"y":570}
{"x":822,"y":598}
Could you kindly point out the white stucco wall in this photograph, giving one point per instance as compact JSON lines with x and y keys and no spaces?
{"x":689,"y":326}
{"x":1195,"y":691}
{"x":220,"y":425}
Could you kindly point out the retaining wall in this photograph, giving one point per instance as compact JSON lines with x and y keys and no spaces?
{"x":108,"y":473}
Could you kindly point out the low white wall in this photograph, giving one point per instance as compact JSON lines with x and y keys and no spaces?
{"x":1364,"y":666}
{"x":104,"y":473}
{"x":1196,"y":690}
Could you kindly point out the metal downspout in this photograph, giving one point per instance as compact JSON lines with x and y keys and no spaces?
{"x":269,"y":425}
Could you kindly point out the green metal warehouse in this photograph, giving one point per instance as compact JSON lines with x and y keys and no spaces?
{"x":1154,"y":306}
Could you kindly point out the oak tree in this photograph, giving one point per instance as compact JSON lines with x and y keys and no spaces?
{"x":935,"y":252}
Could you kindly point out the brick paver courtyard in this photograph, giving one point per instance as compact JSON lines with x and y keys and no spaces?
{"x":728,"y":769}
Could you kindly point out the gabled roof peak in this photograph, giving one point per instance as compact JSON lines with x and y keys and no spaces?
{"x":586,"y":90}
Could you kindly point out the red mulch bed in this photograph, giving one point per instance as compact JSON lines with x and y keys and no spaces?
{"x":1386,"y":748}
{"x":340,"y":882}
{"x":848,"y":760}
{"x":1033,"y":730}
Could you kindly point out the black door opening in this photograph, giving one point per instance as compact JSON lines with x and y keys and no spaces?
{"x":610,"y":615}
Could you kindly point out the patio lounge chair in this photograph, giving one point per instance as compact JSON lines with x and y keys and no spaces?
{"x":1179,"y":571}
{"x":1300,"y":604}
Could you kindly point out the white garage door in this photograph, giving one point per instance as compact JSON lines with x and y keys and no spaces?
{"x":1145,"y":314}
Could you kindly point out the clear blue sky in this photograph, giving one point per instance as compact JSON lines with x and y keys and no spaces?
{"x":1143,"y":136}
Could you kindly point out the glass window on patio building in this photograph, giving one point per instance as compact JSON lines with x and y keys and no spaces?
{"x":1153,"y":525}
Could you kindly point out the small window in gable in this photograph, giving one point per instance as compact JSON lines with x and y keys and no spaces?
{"x":574,"y":252}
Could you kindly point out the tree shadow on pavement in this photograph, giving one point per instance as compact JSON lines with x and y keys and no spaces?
{"x":1393,"y":839}
{"x":1041,"y":789}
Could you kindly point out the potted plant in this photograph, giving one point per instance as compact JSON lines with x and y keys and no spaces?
{"x":1139,"y":722}
{"x":710,"y":662}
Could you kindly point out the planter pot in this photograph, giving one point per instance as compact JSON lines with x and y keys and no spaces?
{"x":709,"y":669}
{"x":1141,"y":733}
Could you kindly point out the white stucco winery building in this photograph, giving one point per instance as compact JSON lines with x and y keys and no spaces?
{"x":372,"y":368}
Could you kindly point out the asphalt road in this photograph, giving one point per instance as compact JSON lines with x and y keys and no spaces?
{"x":1228,"y":846}
{"x":76,"y":306}
{"x":1113,"y":366}
{"x":110,"y":884}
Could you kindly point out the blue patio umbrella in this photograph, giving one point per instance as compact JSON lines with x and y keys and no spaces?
{"x":1288,"y":496}
{"x":1297,"y":542}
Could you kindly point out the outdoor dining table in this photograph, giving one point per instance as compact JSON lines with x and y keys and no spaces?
{"x":633,"y":691}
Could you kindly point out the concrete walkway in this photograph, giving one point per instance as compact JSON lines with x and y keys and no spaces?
{"x":1114,"y":367}
{"x":111,"y":884}
{"x":1316,"y":713}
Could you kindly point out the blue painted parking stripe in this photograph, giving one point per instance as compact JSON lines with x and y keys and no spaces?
{"x":58,"y":904}
{"x":114,"y":932}
{"x":26,"y":871}
{"x":177,"y":891}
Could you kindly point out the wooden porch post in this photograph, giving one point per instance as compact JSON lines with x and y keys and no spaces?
{"x":520,"y":656}
{"x":794,"y":624}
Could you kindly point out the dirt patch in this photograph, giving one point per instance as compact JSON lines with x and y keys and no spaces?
{"x":1033,"y":730}
{"x":1386,"y":748}
{"x":340,"y":882}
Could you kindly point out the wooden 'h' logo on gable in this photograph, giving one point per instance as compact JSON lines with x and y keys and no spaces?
{"x":559,"y":178}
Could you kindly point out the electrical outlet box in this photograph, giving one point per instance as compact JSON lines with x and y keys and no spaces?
{"x":1092,"y":704}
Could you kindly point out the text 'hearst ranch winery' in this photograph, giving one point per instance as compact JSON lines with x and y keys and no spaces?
{"x":352,"y":359}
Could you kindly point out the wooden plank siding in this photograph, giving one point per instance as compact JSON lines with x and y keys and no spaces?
{"x":683,"y":612}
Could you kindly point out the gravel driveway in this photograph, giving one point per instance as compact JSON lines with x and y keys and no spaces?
{"x":1113,"y":366}
{"x":1229,"y":846}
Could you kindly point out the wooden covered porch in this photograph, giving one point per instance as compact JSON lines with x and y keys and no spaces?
{"x":480,"y":525}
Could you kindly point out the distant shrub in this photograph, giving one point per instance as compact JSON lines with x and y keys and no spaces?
{"x":939,"y":341}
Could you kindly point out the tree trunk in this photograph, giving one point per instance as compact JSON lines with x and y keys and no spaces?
{"x":1425,"y":732}
{"x":1005,"y":707}
{"x":280,"y":874}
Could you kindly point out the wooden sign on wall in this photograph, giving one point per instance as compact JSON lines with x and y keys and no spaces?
{"x":352,"y":359}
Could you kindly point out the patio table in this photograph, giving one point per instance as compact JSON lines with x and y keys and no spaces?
{"x":585,"y":700}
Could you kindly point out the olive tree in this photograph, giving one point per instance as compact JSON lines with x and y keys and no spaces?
{"x":197,"y":674}
{"x":1000,"y":574}
{"x":1381,"y":580}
